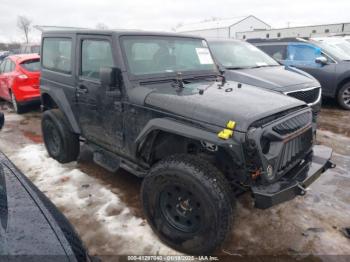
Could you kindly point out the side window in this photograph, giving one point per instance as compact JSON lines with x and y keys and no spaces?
{"x":57,"y":54}
{"x":278,"y":52}
{"x":94,"y":55}
{"x":2,"y":66}
{"x":303,"y":54}
{"x":12,"y":67}
{"x":9,"y":67}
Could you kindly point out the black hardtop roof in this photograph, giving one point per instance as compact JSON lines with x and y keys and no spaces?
{"x":115,"y":33}
{"x":222,"y":40}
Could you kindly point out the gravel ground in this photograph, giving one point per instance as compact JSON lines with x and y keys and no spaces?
{"x":106,"y":211}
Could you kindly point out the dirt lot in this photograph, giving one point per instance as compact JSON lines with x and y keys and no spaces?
{"x":105,"y":208}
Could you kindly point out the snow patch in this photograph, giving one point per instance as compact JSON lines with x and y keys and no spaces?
{"x":99,"y":215}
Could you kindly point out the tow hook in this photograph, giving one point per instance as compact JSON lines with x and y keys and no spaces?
{"x":302,"y":189}
{"x":330,"y":164}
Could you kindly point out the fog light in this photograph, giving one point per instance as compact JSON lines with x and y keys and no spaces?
{"x":269,"y":172}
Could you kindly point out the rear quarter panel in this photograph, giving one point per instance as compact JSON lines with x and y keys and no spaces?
{"x":61,"y":86}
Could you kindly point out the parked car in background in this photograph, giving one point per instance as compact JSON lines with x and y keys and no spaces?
{"x":338,"y":44}
{"x":3,"y":55}
{"x":19,"y":80}
{"x":29,"y":49}
{"x":31,"y":227}
{"x":329,"y":64}
{"x":245,"y":63}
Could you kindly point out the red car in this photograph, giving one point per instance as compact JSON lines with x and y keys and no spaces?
{"x":19,"y":80}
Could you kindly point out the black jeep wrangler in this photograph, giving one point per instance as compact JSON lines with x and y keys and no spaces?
{"x":156,"y":105}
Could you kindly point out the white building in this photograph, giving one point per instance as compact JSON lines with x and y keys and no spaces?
{"x":301,"y":31}
{"x":225,"y":28}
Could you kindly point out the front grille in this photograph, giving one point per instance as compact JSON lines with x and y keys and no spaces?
{"x":308,"y":96}
{"x":294,"y":149}
{"x":293,"y":124}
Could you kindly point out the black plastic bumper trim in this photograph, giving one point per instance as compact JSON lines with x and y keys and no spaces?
{"x":284,"y":190}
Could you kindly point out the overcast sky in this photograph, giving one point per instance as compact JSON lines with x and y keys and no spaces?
{"x":163,"y":14}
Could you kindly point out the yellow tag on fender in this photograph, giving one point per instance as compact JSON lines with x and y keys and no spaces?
{"x":231,"y":124}
{"x":225,"y":134}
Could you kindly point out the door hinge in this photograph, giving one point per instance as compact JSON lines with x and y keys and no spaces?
{"x":118,"y":106}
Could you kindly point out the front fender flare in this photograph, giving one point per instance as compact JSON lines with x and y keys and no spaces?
{"x":175,"y":127}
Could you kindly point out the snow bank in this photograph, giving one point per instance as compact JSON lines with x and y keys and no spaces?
{"x":103,"y":221}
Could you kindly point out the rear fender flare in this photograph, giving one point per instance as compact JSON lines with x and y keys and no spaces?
{"x":60,"y":99}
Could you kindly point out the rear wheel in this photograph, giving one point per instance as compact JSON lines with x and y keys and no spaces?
{"x":344,"y":96}
{"x":60,"y":142}
{"x":16,"y":106}
{"x":188,"y":203}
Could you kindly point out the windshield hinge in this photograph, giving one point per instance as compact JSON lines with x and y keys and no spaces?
{"x":179,"y":82}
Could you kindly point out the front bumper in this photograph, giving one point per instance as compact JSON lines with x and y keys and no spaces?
{"x":295,"y":184}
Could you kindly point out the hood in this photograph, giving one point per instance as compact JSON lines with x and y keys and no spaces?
{"x":278,"y":78}
{"x":217,"y":105}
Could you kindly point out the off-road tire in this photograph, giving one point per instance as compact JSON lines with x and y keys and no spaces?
{"x":344,"y":91}
{"x":60,"y":142}
{"x":211,"y":199}
{"x":18,"y":108}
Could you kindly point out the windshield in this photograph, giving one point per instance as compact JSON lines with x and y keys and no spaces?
{"x":150,"y":55}
{"x":235,"y":54}
{"x":339,"y":48}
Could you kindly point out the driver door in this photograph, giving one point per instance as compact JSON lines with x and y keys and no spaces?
{"x":99,"y":119}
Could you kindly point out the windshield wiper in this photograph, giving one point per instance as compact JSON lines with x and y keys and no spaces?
{"x":179,"y":81}
{"x":158,"y":81}
{"x":236,"y":68}
{"x":203,"y":77}
{"x":249,"y":67}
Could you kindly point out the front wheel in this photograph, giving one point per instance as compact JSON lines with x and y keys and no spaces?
{"x":188,"y":203}
{"x":344,"y":96}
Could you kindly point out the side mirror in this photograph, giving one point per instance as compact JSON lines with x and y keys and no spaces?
{"x":111,"y":78}
{"x":321,"y":60}
{"x":2,"y":120}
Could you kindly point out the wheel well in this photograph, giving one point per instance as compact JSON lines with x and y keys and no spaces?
{"x":48,"y":102}
{"x":341,"y":84}
{"x":160,"y":144}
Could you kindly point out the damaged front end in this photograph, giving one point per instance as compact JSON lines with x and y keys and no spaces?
{"x":282,"y":158}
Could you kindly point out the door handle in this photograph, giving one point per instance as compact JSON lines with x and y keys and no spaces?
{"x":82,"y":89}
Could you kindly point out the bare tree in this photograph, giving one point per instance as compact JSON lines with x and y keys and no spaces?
{"x":23,"y":23}
{"x":178,"y":25}
{"x":101,"y":26}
